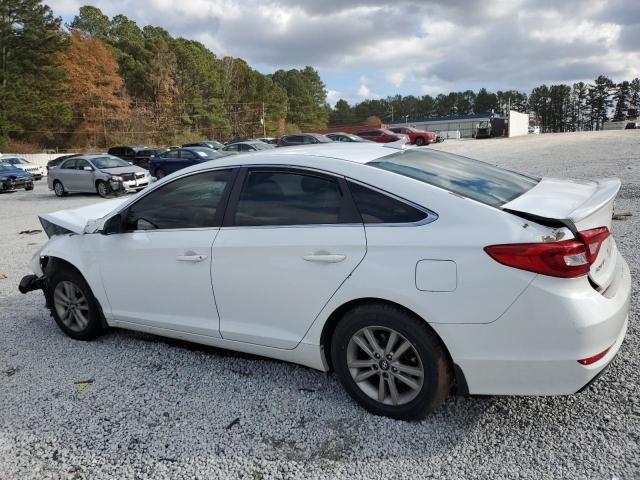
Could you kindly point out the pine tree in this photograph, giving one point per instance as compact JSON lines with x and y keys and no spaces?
{"x":31,"y":76}
{"x":621,"y":99}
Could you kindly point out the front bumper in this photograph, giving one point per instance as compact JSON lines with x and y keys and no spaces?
{"x":137,"y":184}
{"x":534,"y":347}
{"x":16,"y":183}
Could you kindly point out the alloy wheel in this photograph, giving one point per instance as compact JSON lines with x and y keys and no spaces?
{"x":385,"y":365}
{"x":71,"y":306}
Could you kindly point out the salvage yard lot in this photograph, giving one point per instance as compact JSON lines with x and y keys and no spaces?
{"x":131,"y":404}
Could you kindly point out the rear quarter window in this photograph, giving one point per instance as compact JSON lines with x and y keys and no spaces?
{"x":463,"y":176}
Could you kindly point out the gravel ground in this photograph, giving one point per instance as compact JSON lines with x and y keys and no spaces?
{"x":154,"y":408}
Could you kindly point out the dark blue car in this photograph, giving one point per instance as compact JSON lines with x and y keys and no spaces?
{"x":173,"y":160}
{"x":12,"y":178}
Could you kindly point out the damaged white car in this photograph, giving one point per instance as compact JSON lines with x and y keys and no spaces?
{"x":410,"y":273}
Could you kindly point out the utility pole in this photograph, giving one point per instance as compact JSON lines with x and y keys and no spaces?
{"x":264,"y":122}
{"x":392,"y":113}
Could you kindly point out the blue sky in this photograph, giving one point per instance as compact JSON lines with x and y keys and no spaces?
{"x":368,"y":49}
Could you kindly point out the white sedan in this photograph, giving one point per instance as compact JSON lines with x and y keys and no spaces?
{"x":411,"y":273}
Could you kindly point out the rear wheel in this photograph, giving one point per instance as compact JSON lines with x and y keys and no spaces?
{"x":419,"y":141}
{"x":29,"y":187}
{"x":160,"y":173}
{"x":73,"y":305}
{"x":58,"y":188}
{"x":390,"y":362}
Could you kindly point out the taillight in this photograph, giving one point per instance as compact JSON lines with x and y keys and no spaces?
{"x":594,"y":239}
{"x":595,"y":358}
{"x":567,"y":259}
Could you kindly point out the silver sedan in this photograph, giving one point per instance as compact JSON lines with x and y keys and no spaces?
{"x":104,"y":174}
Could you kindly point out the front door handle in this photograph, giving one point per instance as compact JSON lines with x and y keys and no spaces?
{"x":324,"y":258}
{"x":191,"y":257}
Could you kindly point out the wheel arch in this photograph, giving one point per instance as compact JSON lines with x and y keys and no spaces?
{"x":460,"y":383}
{"x":49,"y":263}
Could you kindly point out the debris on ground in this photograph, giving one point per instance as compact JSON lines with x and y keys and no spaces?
{"x":83,"y":384}
{"x":3,"y":276}
{"x":621,"y":216}
{"x":10,"y":372}
{"x":30,"y":232}
{"x":235,"y":422}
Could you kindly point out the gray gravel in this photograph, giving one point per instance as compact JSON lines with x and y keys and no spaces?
{"x":154,"y":408}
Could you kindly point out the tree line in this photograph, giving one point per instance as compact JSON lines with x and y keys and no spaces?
{"x":99,"y":81}
{"x":555,"y":108}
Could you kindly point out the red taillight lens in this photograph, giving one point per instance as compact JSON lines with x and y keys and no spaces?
{"x":594,"y":239}
{"x":595,"y":358}
{"x":559,"y":259}
{"x":567,"y":259}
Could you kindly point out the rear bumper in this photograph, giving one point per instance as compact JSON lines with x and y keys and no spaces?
{"x":534,"y":348}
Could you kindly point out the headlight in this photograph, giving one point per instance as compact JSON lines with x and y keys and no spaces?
{"x":115,"y":178}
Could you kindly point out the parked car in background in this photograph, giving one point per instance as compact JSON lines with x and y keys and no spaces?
{"x":632,"y":125}
{"x":269,"y":140}
{"x":412,"y":271}
{"x":534,"y":130}
{"x":126,"y":152}
{"x":302,"y":139}
{"x":382,"y":135}
{"x":416,"y":137}
{"x":248,"y":146}
{"x":214,"y":144}
{"x":174,"y":160}
{"x":34,"y":170}
{"x":104,"y":174}
{"x":13,"y":178}
{"x":142,"y":156}
{"x":58,"y":160}
{"x":345,"y":137}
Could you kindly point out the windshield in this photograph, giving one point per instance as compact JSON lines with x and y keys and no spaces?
{"x":14,"y":161}
{"x":6,"y":168}
{"x":463,"y":176}
{"x":104,"y":163}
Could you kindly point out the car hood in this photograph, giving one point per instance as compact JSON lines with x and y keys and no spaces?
{"x":121,"y":170}
{"x":16,"y":172}
{"x":79,"y":220}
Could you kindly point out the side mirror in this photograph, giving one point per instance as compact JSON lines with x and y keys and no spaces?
{"x":87,"y":169}
{"x":114,"y":225}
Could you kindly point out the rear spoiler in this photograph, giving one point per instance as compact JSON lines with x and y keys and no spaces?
{"x":562,"y":199}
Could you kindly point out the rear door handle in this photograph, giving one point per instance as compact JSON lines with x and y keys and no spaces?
{"x":324,"y":258}
{"x":191,"y":257}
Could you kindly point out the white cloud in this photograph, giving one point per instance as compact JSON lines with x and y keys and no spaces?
{"x":420,"y":47}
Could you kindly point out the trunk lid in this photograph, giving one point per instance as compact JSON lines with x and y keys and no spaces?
{"x":588,"y":204}
{"x":78,"y":220}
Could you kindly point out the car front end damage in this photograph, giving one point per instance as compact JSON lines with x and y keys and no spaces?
{"x":13,"y":183}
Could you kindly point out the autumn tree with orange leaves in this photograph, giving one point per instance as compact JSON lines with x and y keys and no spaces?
{"x":95,"y":91}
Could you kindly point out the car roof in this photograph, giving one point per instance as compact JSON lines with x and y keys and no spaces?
{"x":349,"y":152}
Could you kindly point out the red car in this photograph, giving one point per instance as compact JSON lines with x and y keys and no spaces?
{"x":417,"y":137}
{"x":382,"y":135}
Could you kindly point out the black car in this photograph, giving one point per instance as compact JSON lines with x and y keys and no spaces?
{"x":142,"y":156}
{"x":205,"y":143}
{"x":302,"y":139}
{"x":248,"y":146}
{"x":128,"y":153}
{"x":57,"y":161}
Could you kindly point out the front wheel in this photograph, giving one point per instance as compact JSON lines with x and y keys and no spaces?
{"x":160,"y":174}
{"x":103,"y":189}
{"x":390,"y":362}
{"x":73,"y":305}
{"x":419,"y":141}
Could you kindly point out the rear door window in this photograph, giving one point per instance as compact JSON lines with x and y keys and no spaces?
{"x":463,"y":176}
{"x":378,"y":207}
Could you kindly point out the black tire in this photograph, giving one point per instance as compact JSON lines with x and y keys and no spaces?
{"x":103,"y":188}
{"x":93,"y":328}
{"x":29,"y":187}
{"x":58,"y":189}
{"x":437,"y":372}
{"x":160,"y":174}
{"x":420,"y":141}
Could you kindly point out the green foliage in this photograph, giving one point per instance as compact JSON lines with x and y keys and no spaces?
{"x":31,"y":77}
